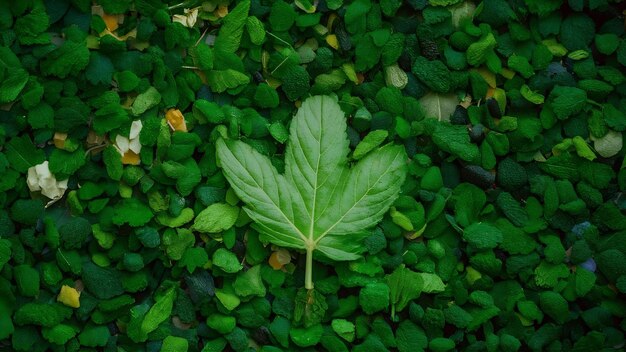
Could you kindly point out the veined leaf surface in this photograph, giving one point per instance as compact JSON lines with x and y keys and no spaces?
{"x":320,"y":203}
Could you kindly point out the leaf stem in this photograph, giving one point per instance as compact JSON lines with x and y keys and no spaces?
{"x":592,"y":102}
{"x":308,"y":274}
{"x":279,"y":39}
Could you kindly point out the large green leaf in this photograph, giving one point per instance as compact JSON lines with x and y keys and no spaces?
{"x":320,"y":203}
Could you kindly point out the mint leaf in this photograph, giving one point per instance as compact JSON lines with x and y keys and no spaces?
{"x":146,"y":100}
{"x":22,"y":154}
{"x":216,"y":218}
{"x":113,"y":163}
{"x":231,"y":31}
{"x":319,"y":204}
{"x":482,"y":235}
{"x":455,"y":140}
{"x":439,"y":106}
{"x":221,"y":80}
{"x":404,"y":286}
{"x":566,"y":101}
{"x":132,"y":212}
{"x":159,"y":312}
{"x":63,"y":164}
{"x":71,"y":57}
{"x":12,"y":84}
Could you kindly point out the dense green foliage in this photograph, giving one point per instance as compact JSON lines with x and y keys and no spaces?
{"x":124,"y":227}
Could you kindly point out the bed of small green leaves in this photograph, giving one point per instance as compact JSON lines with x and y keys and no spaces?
{"x":509,"y":233}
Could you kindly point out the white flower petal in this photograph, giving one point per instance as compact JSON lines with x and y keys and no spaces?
{"x":135,"y":128}
{"x":122,"y":143}
{"x":40,"y":179}
{"x":182,"y":19}
{"x":135,"y":146}
{"x":62,"y":184}
{"x":52,"y":192}
{"x":47,"y":182}
{"x":43,"y":170}
{"x":33,"y":180}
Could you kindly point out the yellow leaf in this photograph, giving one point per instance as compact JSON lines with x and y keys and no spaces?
{"x":69,"y":296}
{"x":506,"y":73}
{"x":472,"y":275}
{"x":332,"y":41}
{"x":360,"y":78}
{"x":331,"y":21}
{"x":488,"y":76}
{"x":130,"y":158}
{"x":221,"y":11}
{"x":500,"y":96}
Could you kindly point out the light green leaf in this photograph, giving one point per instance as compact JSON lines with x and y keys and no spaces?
{"x":369,"y":142}
{"x":220,"y":81}
{"x":608,"y":145}
{"x":228,"y":298}
{"x":184,"y":217}
{"x":230,"y":33}
{"x":216,"y":218}
{"x":249,"y":283}
{"x":582,"y":148}
{"x":462,"y":11}
{"x":226,"y":260}
{"x":531,"y":96}
{"x":146,"y":100}
{"x":405,"y":285}
{"x":320,"y":203}
{"x":343,"y":328}
{"x":439,"y":106}
{"x":159,"y":312}
{"x":396,"y":77}
{"x":256,"y":30}
{"x":432,"y":283}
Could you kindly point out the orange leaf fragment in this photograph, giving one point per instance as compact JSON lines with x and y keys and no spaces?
{"x":59,"y":139}
{"x":176,"y":120}
{"x":110,"y":21}
{"x":279,"y":258}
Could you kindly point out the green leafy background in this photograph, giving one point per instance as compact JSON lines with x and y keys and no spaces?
{"x":509,"y":233}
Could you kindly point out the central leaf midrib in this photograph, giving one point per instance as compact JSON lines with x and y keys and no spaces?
{"x":315,"y":186}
